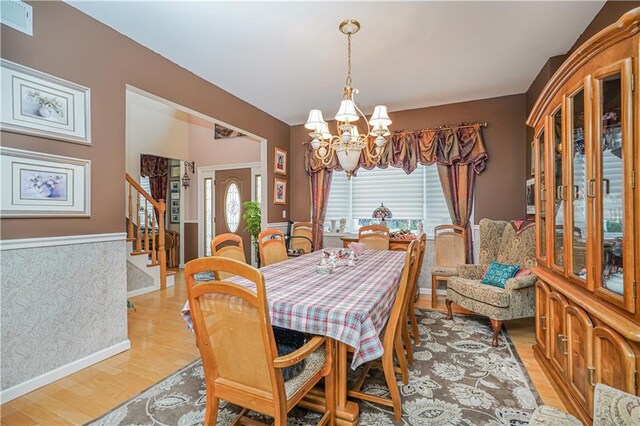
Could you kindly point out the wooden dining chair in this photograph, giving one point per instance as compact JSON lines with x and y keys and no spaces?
{"x":410,"y":313}
{"x":272,"y":247}
{"x":230,"y":246}
{"x":302,"y":237}
{"x":450,"y":250}
{"x":392,"y":341}
{"x":374,"y":237}
{"x":239,"y":355}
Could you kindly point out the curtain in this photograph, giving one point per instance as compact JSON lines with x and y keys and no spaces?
{"x":320,"y":184}
{"x":459,"y":152}
{"x":157,"y":170}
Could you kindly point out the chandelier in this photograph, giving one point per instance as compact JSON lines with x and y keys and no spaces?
{"x":349,"y":143}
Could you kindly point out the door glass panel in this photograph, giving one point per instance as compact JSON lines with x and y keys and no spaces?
{"x":558,"y":204}
{"x":578,"y":194}
{"x":232,"y":207}
{"x":542,"y":194}
{"x":612,"y":178}
{"x":208,"y":215}
{"x":258,"y":189}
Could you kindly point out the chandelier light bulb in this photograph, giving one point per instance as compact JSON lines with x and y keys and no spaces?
{"x":315,"y":143}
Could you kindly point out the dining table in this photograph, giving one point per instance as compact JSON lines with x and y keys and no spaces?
{"x":351,"y":305}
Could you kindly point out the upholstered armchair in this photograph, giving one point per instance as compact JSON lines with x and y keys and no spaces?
{"x":610,"y":407}
{"x":500,"y":242}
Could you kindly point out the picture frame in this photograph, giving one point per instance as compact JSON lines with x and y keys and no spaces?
{"x":174,"y":189}
{"x":175,"y":203}
{"x":175,"y":218}
{"x":35,"y":184}
{"x":174,"y":172}
{"x":531,"y":196}
{"x":39,"y":104}
{"x":279,"y":191}
{"x":280,"y":161}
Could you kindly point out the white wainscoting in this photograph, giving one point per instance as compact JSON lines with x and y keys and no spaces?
{"x":63,"y":307}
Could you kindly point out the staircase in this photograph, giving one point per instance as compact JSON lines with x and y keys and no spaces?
{"x":147,"y":258}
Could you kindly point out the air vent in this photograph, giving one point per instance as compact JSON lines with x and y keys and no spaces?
{"x":17,"y":15}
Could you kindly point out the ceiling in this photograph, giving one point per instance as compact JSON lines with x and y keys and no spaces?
{"x":288,"y":57}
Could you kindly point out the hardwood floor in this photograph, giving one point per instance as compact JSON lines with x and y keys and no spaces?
{"x":160,"y":345}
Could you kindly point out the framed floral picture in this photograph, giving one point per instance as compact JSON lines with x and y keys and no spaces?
{"x":39,"y":104}
{"x":280,"y":162}
{"x":34,"y":184}
{"x":279,"y":191}
{"x":175,"y":172}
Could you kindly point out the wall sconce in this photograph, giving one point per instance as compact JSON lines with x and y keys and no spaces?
{"x":186,"y":180}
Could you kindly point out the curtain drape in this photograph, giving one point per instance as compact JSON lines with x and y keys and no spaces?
{"x":459,"y":152}
{"x":157,"y":170}
{"x":320,"y":184}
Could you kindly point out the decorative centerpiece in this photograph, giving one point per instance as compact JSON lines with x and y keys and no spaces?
{"x":338,"y":257}
{"x":382,"y":213}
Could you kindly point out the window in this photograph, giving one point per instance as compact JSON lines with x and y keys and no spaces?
{"x":412,"y":198}
{"x":232,"y":207}
{"x":258,"y":189}
{"x":208,"y":214}
{"x":144,"y":183}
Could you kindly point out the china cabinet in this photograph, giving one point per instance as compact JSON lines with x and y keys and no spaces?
{"x":587,"y":157}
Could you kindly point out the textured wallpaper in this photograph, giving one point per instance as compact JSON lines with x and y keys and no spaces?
{"x":60,"y":304}
{"x":137,"y":279}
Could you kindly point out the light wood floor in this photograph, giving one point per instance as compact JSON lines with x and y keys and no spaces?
{"x":160,"y":345}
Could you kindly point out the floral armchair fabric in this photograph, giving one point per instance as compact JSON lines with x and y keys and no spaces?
{"x":611,"y":407}
{"x":499,"y":241}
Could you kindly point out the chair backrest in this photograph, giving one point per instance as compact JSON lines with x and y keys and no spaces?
{"x":374,"y":237}
{"x":399,"y":308}
{"x":490,"y":239}
{"x":302,"y":237}
{"x":450,"y":245}
{"x":233,"y":249}
{"x":422,"y":245}
{"x":272,"y":247}
{"x":500,"y":241}
{"x":234,"y":335}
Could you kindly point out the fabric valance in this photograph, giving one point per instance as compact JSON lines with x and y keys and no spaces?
{"x":446,"y":146}
{"x":153,"y":166}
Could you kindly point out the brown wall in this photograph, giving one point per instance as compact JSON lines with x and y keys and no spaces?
{"x":500,"y":188}
{"x":71,"y":45}
{"x":190,"y":241}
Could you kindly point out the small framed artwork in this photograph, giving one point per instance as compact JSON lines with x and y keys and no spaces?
{"x":533,"y":159}
{"x":175,"y":172}
{"x":279,"y":191}
{"x":280,"y":162}
{"x":34,"y":184}
{"x":175,"y":218}
{"x":531,"y":197}
{"x":39,"y":104}
{"x":174,"y":187}
{"x":175,"y":203}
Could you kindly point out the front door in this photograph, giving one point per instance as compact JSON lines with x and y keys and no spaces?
{"x":232,"y":189}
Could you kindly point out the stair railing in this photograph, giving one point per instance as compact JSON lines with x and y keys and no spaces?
{"x":149,"y":240}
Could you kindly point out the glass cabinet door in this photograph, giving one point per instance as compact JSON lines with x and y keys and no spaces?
{"x":541,"y":195}
{"x":576,"y":198}
{"x":558,"y":191}
{"x":613,"y":151}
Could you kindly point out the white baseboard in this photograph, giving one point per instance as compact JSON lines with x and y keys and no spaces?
{"x":144,"y":290}
{"x":18,"y":390}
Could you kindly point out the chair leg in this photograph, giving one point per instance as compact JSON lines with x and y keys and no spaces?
{"x":434,"y":288}
{"x":495,"y":325}
{"x":392,"y":384}
{"x":449,"y":309}
{"x":407,"y":340}
{"x":211,"y":410}
{"x":404,"y":368}
{"x":414,"y":323}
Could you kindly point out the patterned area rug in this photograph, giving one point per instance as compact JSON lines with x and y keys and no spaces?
{"x":457,"y":378}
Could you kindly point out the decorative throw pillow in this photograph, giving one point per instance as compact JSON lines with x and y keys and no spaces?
{"x":523,"y":272}
{"x":498,"y":274}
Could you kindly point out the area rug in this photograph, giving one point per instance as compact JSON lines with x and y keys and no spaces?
{"x":457,"y":378}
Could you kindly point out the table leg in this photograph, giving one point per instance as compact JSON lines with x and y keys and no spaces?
{"x":347,"y":412}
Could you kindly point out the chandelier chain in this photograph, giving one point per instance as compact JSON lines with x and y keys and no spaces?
{"x":348,"y":60}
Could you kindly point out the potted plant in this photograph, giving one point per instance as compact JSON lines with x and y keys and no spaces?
{"x":253,"y":223}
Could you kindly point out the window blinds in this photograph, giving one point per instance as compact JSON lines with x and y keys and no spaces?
{"x":436,"y":210}
{"x":339,"y":197}
{"x":403,"y":194}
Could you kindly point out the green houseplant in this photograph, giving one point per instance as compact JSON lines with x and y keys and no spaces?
{"x":253,"y":223}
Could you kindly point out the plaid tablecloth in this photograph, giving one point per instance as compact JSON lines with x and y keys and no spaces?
{"x":351,"y":305}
